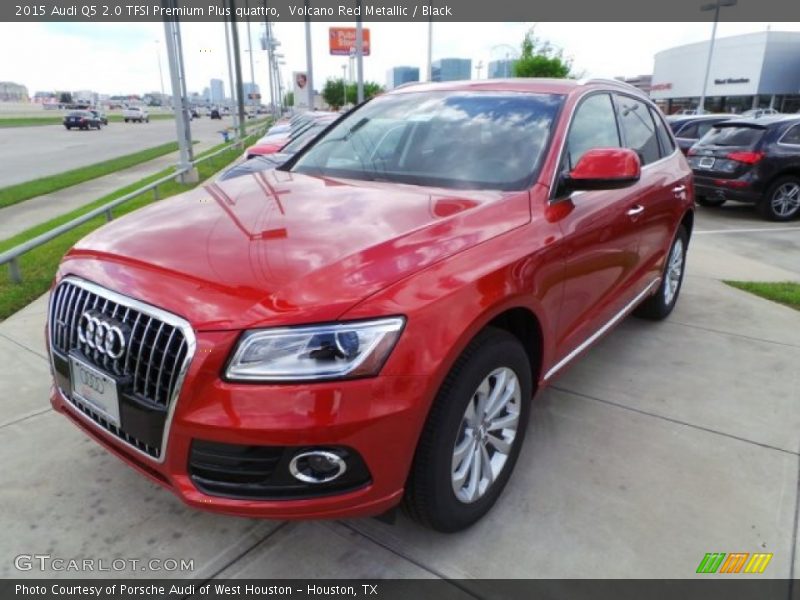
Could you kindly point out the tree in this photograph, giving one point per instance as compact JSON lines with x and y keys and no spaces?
{"x":288,"y":99}
{"x":337,"y":92}
{"x":540,"y":59}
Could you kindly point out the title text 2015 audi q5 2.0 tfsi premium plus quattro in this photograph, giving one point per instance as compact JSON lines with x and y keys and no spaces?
{"x":367,"y":324}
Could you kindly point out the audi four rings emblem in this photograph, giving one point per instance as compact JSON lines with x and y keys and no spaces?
{"x":101,"y":335}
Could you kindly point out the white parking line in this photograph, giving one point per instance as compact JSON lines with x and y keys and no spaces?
{"x":758,"y":230}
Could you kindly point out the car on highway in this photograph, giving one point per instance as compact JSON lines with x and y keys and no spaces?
{"x":100,"y":116}
{"x":367,"y":324}
{"x":135,"y":114}
{"x":690,"y":128}
{"x":82,"y":119}
{"x":756,"y":161}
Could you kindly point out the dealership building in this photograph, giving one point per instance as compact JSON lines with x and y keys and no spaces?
{"x":756,"y":70}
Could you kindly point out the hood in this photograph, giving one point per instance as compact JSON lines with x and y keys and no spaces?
{"x":276,"y":247}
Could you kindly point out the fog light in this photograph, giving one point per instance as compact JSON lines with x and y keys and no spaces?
{"x":317,"y":466}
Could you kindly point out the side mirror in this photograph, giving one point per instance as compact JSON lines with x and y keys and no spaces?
{"x":604,"y":169}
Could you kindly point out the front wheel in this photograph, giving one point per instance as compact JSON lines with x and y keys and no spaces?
{"x":782,"y":200}
{"x":659,"y":305}
{"x":473,"y":434}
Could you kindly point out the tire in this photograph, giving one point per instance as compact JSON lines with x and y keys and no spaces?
{"x":436,"y":495}
{"x":709,"y":202}
{"x":126,"y":120}
{"x":147,"y":120}
{"x":660,"y":305}
{"x":782,"y":200}
{"x":68,"y":128}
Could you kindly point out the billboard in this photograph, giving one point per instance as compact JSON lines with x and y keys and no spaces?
{"x":302,"y":91}
{"x":342,"y":39}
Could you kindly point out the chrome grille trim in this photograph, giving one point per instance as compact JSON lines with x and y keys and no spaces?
{"x":64,"y":338}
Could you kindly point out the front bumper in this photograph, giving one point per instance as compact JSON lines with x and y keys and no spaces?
{"x":379,"y":418}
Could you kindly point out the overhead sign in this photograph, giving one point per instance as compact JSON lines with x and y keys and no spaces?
{"x":342,"y":40}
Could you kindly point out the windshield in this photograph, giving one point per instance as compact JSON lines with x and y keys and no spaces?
{"x":721,"y":135}
{"x":465,"y":140}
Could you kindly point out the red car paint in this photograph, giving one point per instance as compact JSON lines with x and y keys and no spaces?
{"x":259,"y":251}
{"x":272,"y":146}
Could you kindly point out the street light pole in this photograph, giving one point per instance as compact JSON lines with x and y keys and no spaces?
{"x":230,"y":77}
{"x":160,"y":72}
{"x":344,"y":86}
{"x":360,"y":55}
{"x":309,"y":65}
{"x":429,"y":66}
{"x":237,"y":64}
{"x":252,"y":68}
{"x":715,"y":6}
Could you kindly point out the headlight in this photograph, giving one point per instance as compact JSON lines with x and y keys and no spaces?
{"x":342,"y":350}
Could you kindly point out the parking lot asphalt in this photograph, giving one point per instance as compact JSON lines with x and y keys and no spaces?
{"x":662,"y":443}
{"x":58,"y":150}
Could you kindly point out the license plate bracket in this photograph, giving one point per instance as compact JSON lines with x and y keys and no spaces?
{"x":96,"y":389}
{"x":706,"y":162}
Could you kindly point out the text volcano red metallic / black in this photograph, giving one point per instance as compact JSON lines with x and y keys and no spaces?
{"x":368,"y":323}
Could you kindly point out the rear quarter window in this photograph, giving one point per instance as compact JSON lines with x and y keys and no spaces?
{"x":792,"y":136}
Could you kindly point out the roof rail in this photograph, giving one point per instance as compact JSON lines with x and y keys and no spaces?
{"x":406,"y":84}
{"x":608,"y":81}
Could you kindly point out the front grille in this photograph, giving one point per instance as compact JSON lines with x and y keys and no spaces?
{"x":148,"y":370}
{"x":155,"y":350}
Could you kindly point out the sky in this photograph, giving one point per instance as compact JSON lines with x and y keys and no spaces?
{"x":123,"y":58}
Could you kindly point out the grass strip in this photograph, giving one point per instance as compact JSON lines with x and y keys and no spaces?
{"x":14,"y":194}
{"x":782,"y":292}
{"x":38,"y":266}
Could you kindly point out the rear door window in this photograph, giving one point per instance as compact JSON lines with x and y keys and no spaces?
{"x":638,"y":128}
{"x":664,"y":139}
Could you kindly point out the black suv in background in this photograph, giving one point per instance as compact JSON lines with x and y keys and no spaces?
{"x":690,"y":128}
{"x":750,"y":160}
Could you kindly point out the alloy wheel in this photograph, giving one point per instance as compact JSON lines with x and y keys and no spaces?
{"x":486,"y":435}
{"x":674,"y":271}
{"x":786,"y":200}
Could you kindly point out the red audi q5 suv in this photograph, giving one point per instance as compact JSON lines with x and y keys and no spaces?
{"x":367,"y":325}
